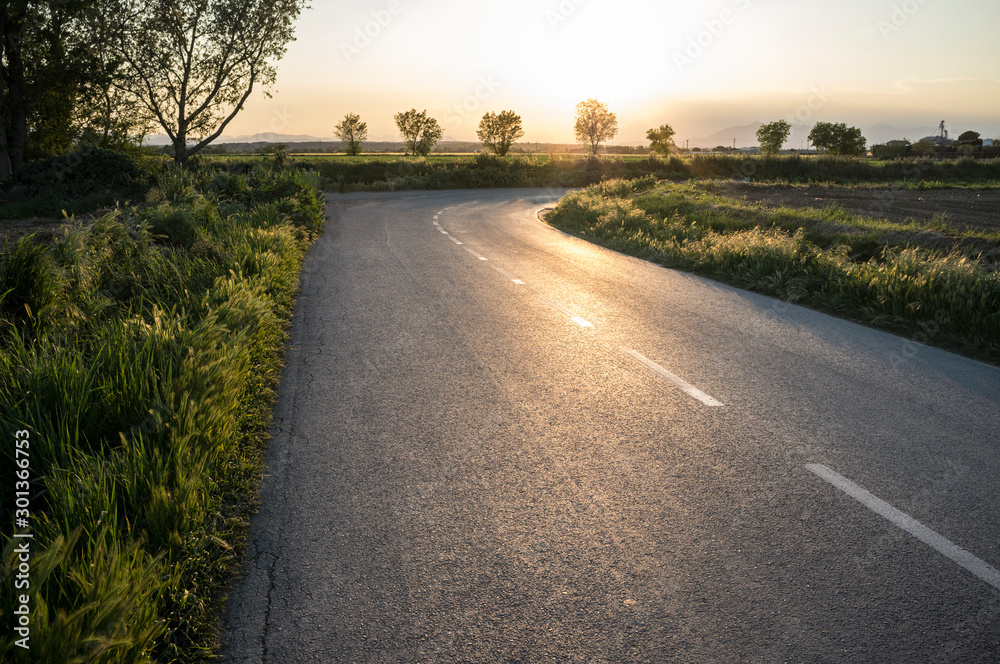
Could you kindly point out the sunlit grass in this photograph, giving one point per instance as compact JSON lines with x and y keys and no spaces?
{"x":886,"y":274}
{"x":141,"y":350}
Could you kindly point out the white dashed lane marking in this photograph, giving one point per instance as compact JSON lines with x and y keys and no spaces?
{"x":685,"y":387}
{"x":957,"y":554}
{"x":572,"y":316}
{"x":507,"y":274}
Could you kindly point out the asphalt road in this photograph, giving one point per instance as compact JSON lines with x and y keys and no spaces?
{"x":499,"y":443}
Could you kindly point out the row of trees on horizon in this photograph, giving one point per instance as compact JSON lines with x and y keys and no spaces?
{"x":595,"y":124}
{"x":105,"y":73}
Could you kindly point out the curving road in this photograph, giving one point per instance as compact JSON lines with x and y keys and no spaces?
{"x":499,"y":443}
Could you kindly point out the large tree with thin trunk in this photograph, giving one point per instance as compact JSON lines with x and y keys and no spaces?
{"x":772,"y":136}
{"x":353,"y":132}
{"x":837,"y":138}
{"x":594,"y":124}
{"x":13,"y":105}
{"x":499,"y":131}
{"x":192,"y":64}
{"x":419,"y":131}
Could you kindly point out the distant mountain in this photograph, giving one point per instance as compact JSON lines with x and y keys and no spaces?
{"x":746,"y":137}
{"x":270,"y":137}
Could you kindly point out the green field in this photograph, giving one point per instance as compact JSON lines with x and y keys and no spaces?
{"x":39,"y":191}
{"x":375,"y":173}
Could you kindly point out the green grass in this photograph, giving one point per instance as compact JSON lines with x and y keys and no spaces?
{"x":141,"y":350}
{"x":893,"y":276}
{"x":381,"y":173}
{"x":78,"y":183}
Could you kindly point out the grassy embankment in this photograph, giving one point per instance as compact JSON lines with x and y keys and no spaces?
{"x":140,"y":350}
{"x":369,"y":173}
{"x":934,"y":287}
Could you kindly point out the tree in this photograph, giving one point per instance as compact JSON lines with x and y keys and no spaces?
{"x":278,"y":153}
{"x":419,"y":131}
{"x":923,"y":147}
{"x":661,"y":140}
{"x":500,"y":131}
{"x":107,"y":116}
{"x":594,"y":124}
{"x":193,"y":63}
{"x":837,"y":138}
{"x":46,"y":56}
{"x":968,"y":136}
{"x":773,"y":135}
{"x":892,"y":150}
{"x":353,"y":132}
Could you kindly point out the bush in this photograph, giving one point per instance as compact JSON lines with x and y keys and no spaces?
{"x":85,"y":172}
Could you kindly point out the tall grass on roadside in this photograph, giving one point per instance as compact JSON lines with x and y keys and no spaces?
{"x":140,"y":350}
{"x":827,"y":259}
{"x":486,"y":171}
{"x":346,"y":174}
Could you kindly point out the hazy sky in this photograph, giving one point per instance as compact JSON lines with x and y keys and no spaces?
{"x":698,"y":66}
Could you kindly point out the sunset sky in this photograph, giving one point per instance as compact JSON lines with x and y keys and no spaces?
{"x":700,"y":67}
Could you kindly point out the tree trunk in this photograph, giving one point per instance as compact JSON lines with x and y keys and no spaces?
{"x":5,"y":169}
{"x":180,"y":146}
{"x":4,"y":154}
{"x":13,"y":79}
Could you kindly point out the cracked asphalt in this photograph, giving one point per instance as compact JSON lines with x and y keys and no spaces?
{"x":468,"y":465}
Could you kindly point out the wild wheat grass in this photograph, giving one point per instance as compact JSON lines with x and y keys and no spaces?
{"x":141,"y":350}
{"x":872,"y":271}
{"x":373,"y":173}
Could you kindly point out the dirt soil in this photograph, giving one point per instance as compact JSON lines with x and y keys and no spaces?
{"x":974,"y":209}
{"x":46,"y":229}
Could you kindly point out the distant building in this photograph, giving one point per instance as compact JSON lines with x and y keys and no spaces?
{"x":937,"y":141}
